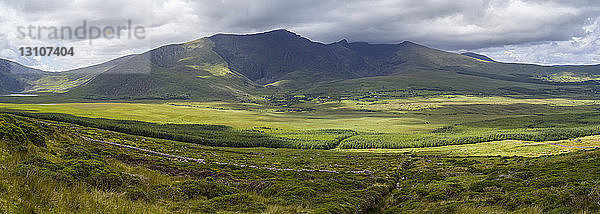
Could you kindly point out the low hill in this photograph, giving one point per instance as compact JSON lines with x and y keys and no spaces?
{"x":17,"y":78}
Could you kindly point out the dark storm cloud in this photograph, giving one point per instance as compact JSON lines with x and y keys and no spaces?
{"x":446,"y":24}
{"x":514,"y":30}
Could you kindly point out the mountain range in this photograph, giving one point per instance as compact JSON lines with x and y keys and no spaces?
{"x":246,"y":67}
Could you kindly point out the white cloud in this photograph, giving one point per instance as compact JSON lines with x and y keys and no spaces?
{"x":549,"y":32}
{"x":577,"y":50}
{"x":8,"y":54}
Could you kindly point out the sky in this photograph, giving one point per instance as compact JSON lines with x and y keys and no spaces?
{"x":549,"y":32}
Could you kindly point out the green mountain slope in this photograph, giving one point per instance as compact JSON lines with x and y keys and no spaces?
{"x":181,"y":71}
{"x":64,"y":81}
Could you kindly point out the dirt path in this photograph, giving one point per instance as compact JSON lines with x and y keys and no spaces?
{"x":574,"y":147}
{"x":220,"y":163}
{"x":146,"y":150}
{"x":565,"y":146}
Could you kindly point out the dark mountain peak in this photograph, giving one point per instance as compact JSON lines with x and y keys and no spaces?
{"x":274,"y":33}
{"x":418,"y":49}
{"x":283,"y":55}
{"x":279,"y":37}
{"x":411,"y":44}
{"x":279,"y":33}
{"x":478,"y":56}
{"x":343,"y":43}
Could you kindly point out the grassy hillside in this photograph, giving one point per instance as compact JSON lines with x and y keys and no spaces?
{"x":49,"y":167}
{"x":184,"y":71}
{"x":60,"y":82}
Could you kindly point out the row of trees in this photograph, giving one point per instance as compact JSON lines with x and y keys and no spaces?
{"x":431,"y":140}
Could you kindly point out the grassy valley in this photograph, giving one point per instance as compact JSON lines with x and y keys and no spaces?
{"x":276,"y":123}
{"x":51,"y":166}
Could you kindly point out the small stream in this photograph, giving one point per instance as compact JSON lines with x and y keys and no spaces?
{"x":20,"y":95}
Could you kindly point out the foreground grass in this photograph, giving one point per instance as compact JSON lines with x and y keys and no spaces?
{"x":47,"y":167}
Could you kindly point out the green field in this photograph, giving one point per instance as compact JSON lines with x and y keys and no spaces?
{"x":392,"y":123}
{"x":438,"y":154}
{"x":49,"y":167}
